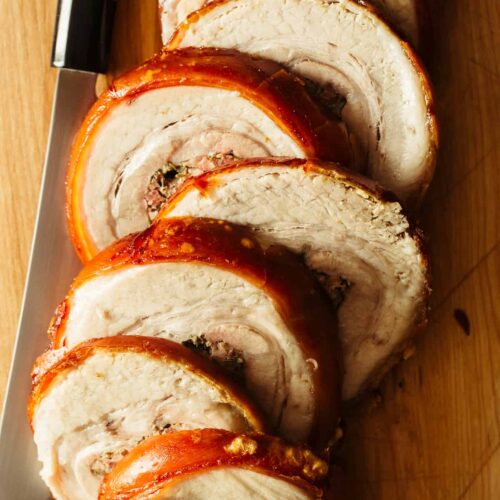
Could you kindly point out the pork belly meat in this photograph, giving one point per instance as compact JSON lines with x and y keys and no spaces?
{"x":350,"y":232}
{"x":350,"y":56}
{"x":92,"y":404}
{"x":405,"y":15}
{"x":209,"y":285}
{"x":214,"y":464}
{"x":177,"y":115}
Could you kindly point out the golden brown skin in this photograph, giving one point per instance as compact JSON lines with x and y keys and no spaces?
{"x":161,"y":462}
{"x":300,"y":300}
{"x":52,"y":364}
{"x":266,"y":84}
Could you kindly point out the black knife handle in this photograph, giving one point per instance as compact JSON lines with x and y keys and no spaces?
{"x":82,"y":37}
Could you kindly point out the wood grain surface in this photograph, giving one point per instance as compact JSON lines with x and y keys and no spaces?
{"x":433,"y":430}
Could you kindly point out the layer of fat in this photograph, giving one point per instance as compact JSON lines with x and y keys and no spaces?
{"x":178,"y":301}
{"x":109,"y":403}
{"x":343,"y":45}
{"x":173,"y":124}
{"x":173,"y":12}
{"x":232,"y":483}
{"x":342,"y":232}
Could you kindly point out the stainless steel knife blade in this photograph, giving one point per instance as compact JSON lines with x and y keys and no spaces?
{"x":53,"y":264}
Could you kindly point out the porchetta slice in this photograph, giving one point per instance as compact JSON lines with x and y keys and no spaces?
{"x":90,"y":405}
{"x":208,"y":464}
{"x":209,"y":285}
{"x":351,"y":56}
{"x":351,"y":233}
{"x":180,"y":114}
{"x":405,"y":15}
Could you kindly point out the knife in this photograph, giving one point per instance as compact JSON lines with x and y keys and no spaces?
{"x":80,"y":51}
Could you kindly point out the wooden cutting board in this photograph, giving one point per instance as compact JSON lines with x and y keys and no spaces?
{"x":433,"y":430}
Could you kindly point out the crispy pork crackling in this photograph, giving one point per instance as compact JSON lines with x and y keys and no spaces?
{"x":214,"y":464}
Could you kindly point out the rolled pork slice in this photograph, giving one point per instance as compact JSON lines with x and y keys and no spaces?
{"x":354,"y":236}
{"x":352,"y":57}
{"x":215,"y":464}
{"x":92,"y":404}
{"x":404,"y":15}
{"x":209,"y":285}
{"x":179,"y":114}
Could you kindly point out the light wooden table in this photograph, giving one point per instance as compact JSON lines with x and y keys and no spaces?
{"x":435,"y":432}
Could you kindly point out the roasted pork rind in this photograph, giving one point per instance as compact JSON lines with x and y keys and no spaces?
{"x":214,"y":464}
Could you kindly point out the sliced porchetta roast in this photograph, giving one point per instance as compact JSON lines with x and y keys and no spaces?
{"x":215,"y":464}
{"x":180,"y":114}
{"x":92,"y":404}
{"x":351,"y":233}
{"x":356,"y":64}
{"x":405,"y":15}
{"x":209,"y":285}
